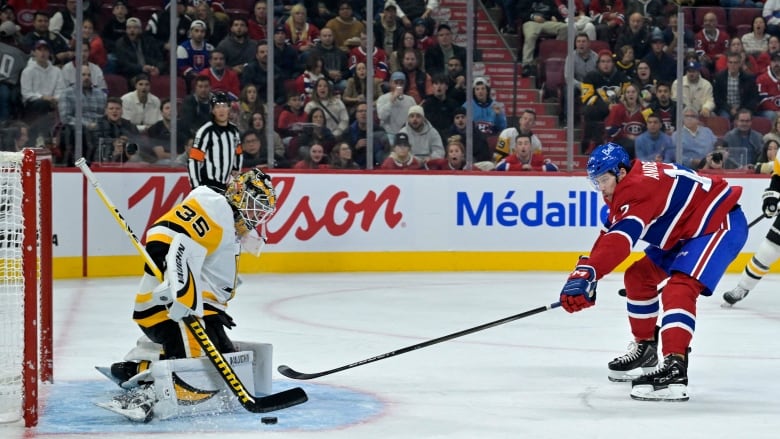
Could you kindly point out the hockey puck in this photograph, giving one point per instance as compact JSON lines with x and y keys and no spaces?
{"x":268,"y":419}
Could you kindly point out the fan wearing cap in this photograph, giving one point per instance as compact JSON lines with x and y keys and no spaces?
{"x":115,"y":28}
{"x":216,"y":156}
{"x":41,"y":85}
{"x":285,"y":56}
{"x":420,"y":30}
{"x":662,"y":64}
{"x":192,"y":56}
{"x":401,"y":157}
{"x":425,"y":140}
{"x":129,"y":61}
{"x":697,"y":91}
{"x":393,"y":107}
{"x":488,"y":115}
{"x":389,"y":28}
{"x":769,"y":84}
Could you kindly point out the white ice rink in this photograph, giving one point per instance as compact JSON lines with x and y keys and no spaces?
{"x":543,"y":376}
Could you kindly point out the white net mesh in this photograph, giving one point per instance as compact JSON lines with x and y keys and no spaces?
{"x":11,"y":287}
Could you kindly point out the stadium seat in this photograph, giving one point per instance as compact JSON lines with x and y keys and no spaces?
{"x":552,"y":49}
{"x":117,"y":85}
{"x":762,"y":124}
{"x":554,"y":77}
{"x":742,"y":29}
{"x":246,"y":5}
{"x":718,"y":124}
{"x":160,"y":86}
{"x":598,"y":45}
{"x":738,"y":16}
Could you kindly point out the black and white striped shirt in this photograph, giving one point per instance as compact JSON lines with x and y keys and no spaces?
{"x":215,"y":153}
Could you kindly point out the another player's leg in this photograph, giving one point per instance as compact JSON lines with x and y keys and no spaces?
{"x":758,"y":266}
{"x":642,"y":303}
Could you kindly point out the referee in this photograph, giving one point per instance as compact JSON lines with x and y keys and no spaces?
{"x":216,"y":153}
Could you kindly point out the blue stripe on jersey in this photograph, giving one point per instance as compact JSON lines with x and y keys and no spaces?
{"x":630,"y":226}
{"x":647,"y":309}
{"x":682,"y":191}
{"x":679,"y":319}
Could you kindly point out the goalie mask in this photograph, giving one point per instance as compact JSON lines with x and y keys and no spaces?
{"x":253,"y":198}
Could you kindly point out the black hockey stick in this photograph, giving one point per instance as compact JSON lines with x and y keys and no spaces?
{"x":622,"y":291}
{"x":254,"y":404}
{"x":292,"y":373}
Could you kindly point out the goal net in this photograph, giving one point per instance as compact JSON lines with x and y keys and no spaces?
{"x":25,"y":282}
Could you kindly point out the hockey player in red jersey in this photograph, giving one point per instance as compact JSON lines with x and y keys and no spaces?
{"x":694,"y":228}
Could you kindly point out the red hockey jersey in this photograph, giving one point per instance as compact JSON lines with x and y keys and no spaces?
{"x":661,"y":204}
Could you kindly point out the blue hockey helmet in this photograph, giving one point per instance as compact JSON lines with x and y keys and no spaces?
{"x":606,"y":158}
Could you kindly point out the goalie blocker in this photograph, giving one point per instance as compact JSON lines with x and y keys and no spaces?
{"x":188,"y":386}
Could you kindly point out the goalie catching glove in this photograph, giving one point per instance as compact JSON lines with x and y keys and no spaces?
{"x":579,"y":292}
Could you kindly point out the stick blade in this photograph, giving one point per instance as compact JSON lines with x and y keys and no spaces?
{"x":279,"y":401}
{"x":289,"y":372}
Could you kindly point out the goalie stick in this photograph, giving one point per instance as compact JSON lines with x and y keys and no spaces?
{"x":622,"y":292}
{"x":251,"y":403}
{"x":292,"y":373}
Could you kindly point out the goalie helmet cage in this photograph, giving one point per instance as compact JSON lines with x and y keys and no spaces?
{"x":25,"y":282}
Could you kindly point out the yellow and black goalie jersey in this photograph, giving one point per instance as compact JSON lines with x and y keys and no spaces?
{"x":206,"y":217}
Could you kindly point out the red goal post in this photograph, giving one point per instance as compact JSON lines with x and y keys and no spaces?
{"x":25,"y":282}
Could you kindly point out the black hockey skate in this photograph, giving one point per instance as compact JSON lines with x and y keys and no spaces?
{"x":668,"y":383}
{"x":642,"y":357}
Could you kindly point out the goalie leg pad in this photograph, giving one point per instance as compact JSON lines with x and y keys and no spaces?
{"x":262,"y":366}
{"x":191,"y":386}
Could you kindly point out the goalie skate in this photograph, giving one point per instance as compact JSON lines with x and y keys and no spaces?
{"x":642,"y":357}
{"x":136,"y":405}
{"x":128,"y":375}
{"x":668,"y":383}
{"x":734,"y":296}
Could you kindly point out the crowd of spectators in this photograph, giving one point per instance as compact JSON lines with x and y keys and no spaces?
{"x":626,"y":91}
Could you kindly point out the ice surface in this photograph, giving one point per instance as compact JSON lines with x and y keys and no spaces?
{"x":539,"y":377}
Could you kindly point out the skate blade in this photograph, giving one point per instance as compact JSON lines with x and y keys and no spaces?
{"x":727,"y":305}
{"x":673,"y":393}
{"x":620,"y":376}
{"x":136,"y":414}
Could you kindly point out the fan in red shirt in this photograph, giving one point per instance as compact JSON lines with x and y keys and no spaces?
{"x":455,"y":160}
{"x":525,"y":158}
{"x":401,"y":158}
{"x":710,"y":42}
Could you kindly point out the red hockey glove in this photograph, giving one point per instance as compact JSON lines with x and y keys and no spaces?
{"x":579,"y":292}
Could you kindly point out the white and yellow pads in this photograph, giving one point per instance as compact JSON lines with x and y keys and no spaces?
{"x":206,"y":218}
{"x":192,"y":386}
